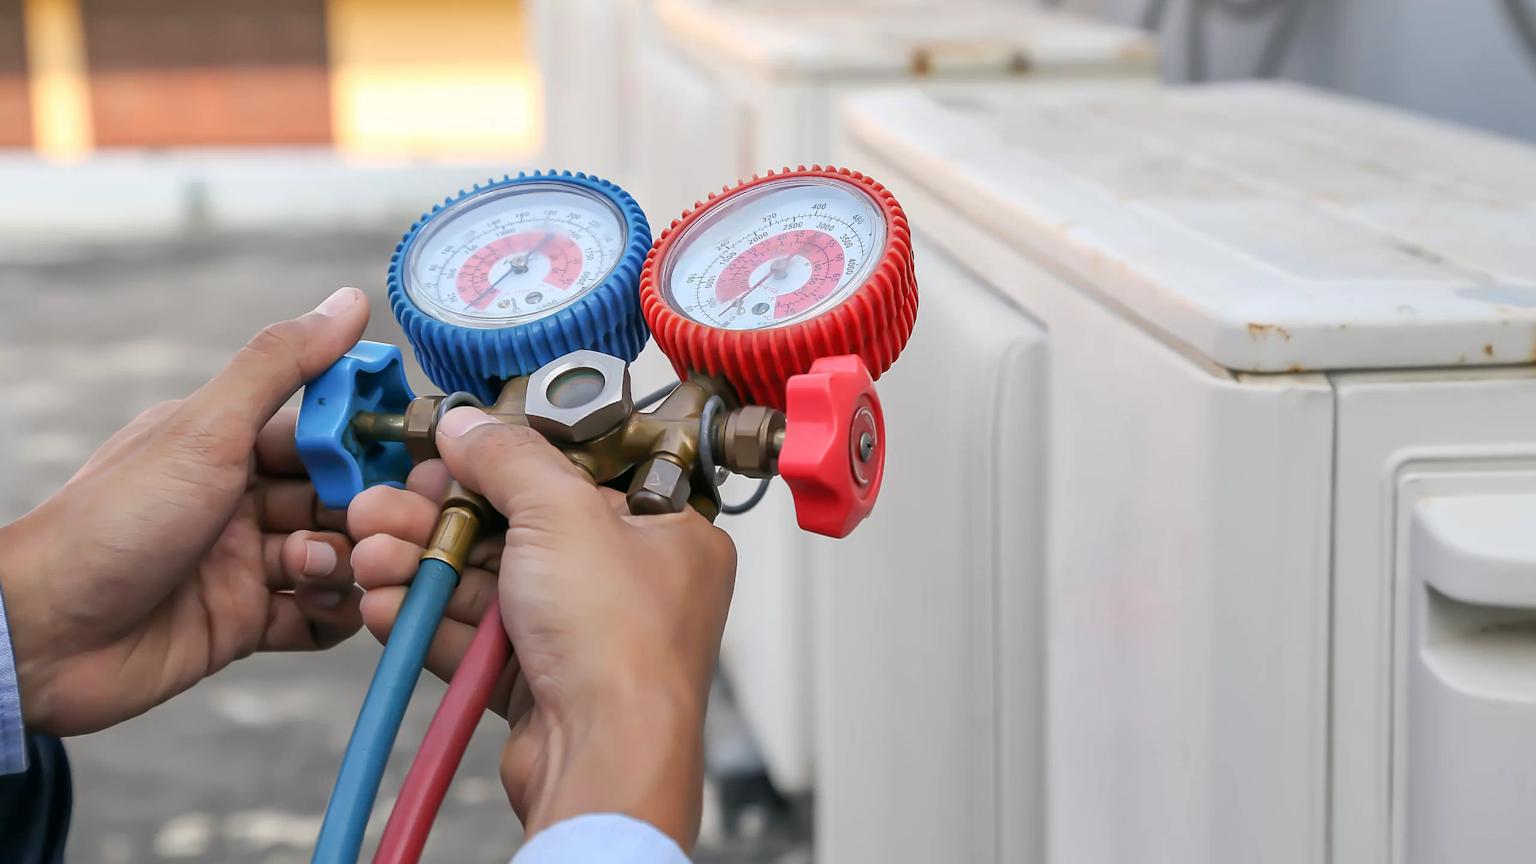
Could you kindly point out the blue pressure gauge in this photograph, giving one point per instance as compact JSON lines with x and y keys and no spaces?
{"x":488,"y":286}
{"x":511,"y":275}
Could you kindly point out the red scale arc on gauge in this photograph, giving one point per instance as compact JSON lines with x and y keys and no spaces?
{"x":514,"y":255}
{"x":800,"y":268}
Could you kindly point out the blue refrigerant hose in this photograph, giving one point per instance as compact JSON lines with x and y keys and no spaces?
{"x":357,"y":783}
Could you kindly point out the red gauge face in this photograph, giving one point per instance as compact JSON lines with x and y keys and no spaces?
{"x":775,"y":254}
{"x":513,"y":254}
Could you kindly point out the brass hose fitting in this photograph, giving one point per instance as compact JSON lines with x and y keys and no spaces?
{"x":458,"y":526}
{"x":371,"y":426}
{"x":749,"y":441}
{"x":416,"y":427}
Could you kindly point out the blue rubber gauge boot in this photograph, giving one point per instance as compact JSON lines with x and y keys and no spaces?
{"x":513,"y":274}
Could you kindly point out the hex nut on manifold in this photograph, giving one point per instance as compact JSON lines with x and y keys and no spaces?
{"x":579,"y":397}
{"x":747,"y":442}
{"x":660,"y":486}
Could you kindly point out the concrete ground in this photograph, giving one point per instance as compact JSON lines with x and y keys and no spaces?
{"x":238,"y":769}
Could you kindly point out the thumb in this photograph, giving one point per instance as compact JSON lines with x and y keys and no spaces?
{"x":276,"y":363}
{"x":516,"y":470}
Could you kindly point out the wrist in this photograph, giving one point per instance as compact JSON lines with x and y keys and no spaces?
{"x":637,"y":751}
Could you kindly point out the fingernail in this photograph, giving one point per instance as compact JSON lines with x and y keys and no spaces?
{"x":460,"y":420}
{"x":319,"y":558}
{"x":325,"y":598}
{"x":339,"y":302}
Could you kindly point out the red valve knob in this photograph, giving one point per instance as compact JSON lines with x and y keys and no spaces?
{"x":833,"y":456}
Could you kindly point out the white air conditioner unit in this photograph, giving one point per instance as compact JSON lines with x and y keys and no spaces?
{"x":1209,"y":525}
{"x":585,"y":51}
{"x":730,"y":89}
{"x":726,"y":90}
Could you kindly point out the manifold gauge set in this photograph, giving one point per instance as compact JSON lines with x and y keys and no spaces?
{"x":778,"y":302}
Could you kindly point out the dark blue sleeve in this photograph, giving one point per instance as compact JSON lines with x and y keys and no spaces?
{"x":35,"y":805}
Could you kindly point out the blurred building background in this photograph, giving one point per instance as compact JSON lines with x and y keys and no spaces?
{"x":403,"y":78}
{"x":1473,"y":61}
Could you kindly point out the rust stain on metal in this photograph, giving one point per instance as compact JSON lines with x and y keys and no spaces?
{"x":1488,"y":349}
{"x":1258,"y":332}
{"x":922,"y":61}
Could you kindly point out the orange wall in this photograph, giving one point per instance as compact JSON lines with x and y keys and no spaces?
{"x":422,"y":78}
{"x":379,"y":77}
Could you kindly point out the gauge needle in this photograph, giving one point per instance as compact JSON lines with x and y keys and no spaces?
{"x":520,"y":263}
{"x":515,"y":265}
{"x":776,"y":270}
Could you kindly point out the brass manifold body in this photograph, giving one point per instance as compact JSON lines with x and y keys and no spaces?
{"x":664,"y":459}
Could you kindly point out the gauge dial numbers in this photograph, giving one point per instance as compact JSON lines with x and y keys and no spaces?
{"x":520,"y":267}
{"x":513,"y":254}
{"x":780,"y":277}
{"x":776,"y":255}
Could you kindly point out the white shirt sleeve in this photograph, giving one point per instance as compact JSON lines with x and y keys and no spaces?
{"x":13,"y":738}
{"x":609,"y":838}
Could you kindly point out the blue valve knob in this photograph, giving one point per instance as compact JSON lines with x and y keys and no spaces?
{"x":370,"y":377}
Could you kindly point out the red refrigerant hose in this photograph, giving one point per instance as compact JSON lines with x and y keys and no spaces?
{"x":426,"y":783}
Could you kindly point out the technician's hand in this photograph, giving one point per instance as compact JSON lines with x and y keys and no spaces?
{"x":615,"y":619}
{"x":189,"y":540}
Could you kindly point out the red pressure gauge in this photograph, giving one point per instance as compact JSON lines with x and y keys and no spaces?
{"x":764,"y":280}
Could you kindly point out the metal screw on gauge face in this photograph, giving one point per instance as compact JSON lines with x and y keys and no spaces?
{"x":513,"y":254}
{"x":776,"y":254}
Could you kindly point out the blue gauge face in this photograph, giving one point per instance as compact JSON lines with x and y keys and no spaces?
{"x":513,"y":254}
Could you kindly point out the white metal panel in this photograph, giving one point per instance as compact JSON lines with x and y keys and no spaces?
{"x":768,"y":639}
{"x":930,"y":641}
{"x":1186,"y":597}
{"x":1468,"y":775}
{"x":687,"y":134}
{"x":1267,"y":243}
{"x":585,"y":51}
{"x":1396,"y":430}
{"x":710,"y":114}
{"x":858,"y":40}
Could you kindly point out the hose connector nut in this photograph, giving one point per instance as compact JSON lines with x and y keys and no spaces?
{"x":579,"y":397}
{"x":421,"y":428}
{"x":750,"y":439}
